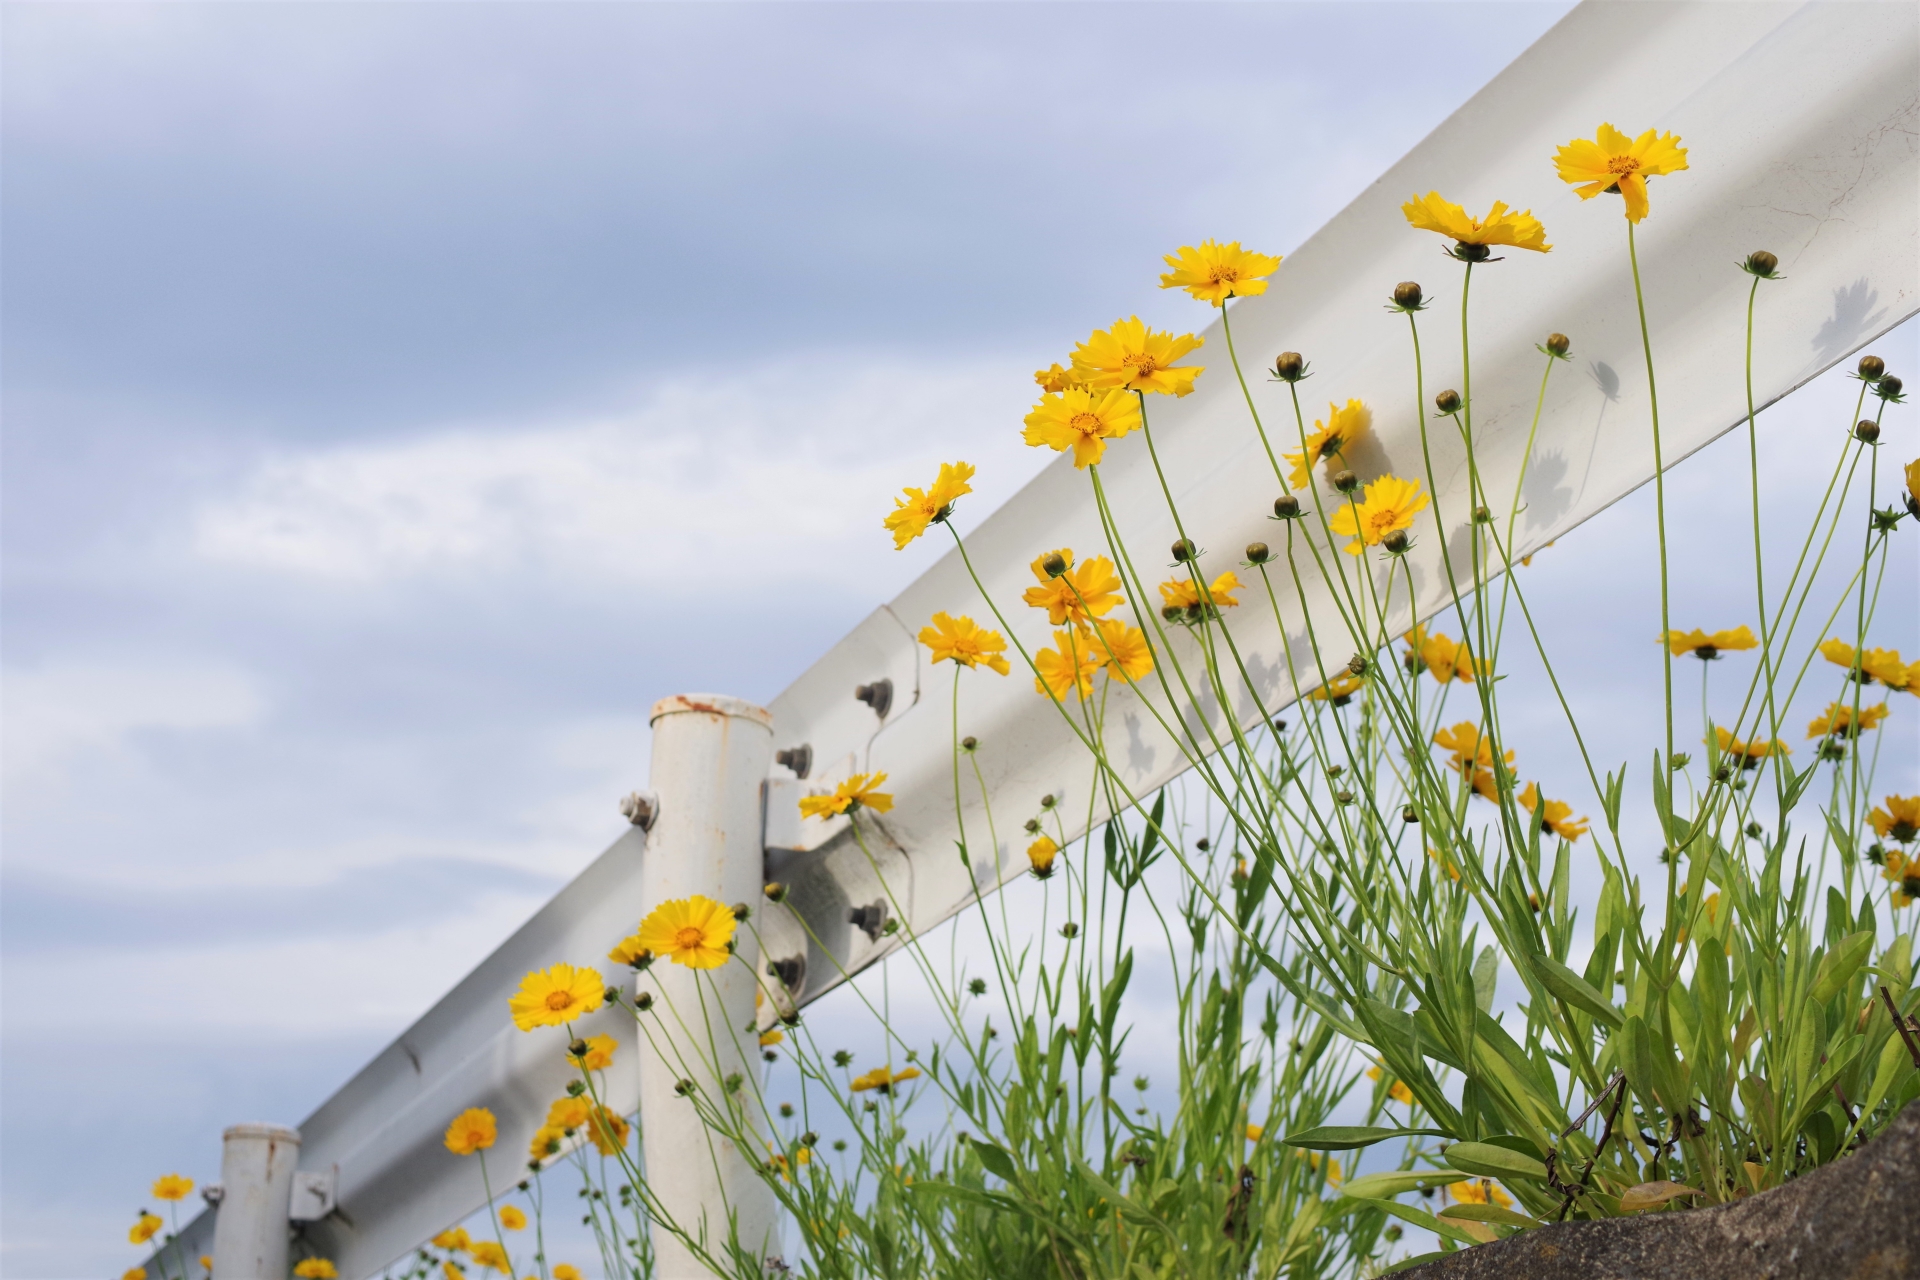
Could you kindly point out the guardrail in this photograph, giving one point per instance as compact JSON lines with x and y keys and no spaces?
{"x":1802,"y":124}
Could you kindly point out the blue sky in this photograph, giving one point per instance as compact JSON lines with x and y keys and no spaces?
{"x":400,"y":398}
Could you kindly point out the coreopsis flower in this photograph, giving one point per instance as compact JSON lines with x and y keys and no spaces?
{"x":454,"y":1240}
{"x":1069,"y":667}
{"x":134,"y":1273}
{"x":1137,"y":358}
{"x":1446,"y":658}
{"x":1480,"y":1191}
{"x":452,"y":1271}
{"x":1899,"y":821}
{"x":1315,"y":1160}
{"x":1870,"y":665}
{"x":1214,"y":272}
{"x":1913,"y":488}
{"x":1040,"y":856}
{"x":1184,"y":593}
{"x":1255,"y":1132}
{"x":172,"y":1187}
{"x":1473,"y":756}
{"x":472,"y":1130}
{"x":883,"y":1079}
{"x":965,"y":643}
{"x":512,"y":1218}
{"x":1398,"y":1090}
{"x":1904,"y":871}
{"x":1389,"y":503}
{"x":1707,"y":646}
{"x":1082,"y":421}
{"x":599,"y":1054}
{"x":546,"y":1142}
{"x":918,"y":508}
{"x":1446,"y":864}
{"x":1614,"y":162}
{"x":316,"y":1269}
{"x":1083,"y":592}
{"x":1054,"y":378}
{"x":144,"y":1228}
{"x":1838,"y":721}
{"x":1558,"y":815}
{"x":857,"y":792}
{"x":779,"y":1163}
{"x":565,"y":1271}
{"x":608,"y":1130}
{"x":1500,"y":227}
{"x":556,"y":995}
{"x":1329,"y":440}
{"x":1128,"y":655}
{"x":568,"y":1113}
{"x":206,"y":1263}
{"x":1749,"y":754}
{"x":1339,"y":690}
{"x":770,"y":1038}
{"x":692,"y":931}
{"x":488,"y":1254}
{"x":630,"y":953}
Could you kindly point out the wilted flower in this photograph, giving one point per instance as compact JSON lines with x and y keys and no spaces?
{"x":965,"y":643}
{"x":1615,"y":162}
{"x":472,"y":1130}
{"x":1082,"y":421}
{"x":1389,"y":503}
{"x":1214,"y":272}
{"x":856,"y":792}
{"x":1344,"y":426}
{"x":1137,"y":358}
{"x":918,"y":508}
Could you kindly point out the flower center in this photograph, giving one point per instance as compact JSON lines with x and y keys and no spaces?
{"x":1223,"y":275}
{"x":1139,"y":361}
{"x":1087,"y":424}
{"x":688,"y":938}
{"x":559,"y":1000}
{"x":1623,"y":165}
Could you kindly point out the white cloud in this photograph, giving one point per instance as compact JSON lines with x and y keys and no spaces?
{"x":786,"y":469}
{"x":60,"y":709}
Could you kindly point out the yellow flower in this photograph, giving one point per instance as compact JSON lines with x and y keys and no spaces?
{"x":965,"y":642}
{"x":1082,"y":421}
{"x":453,"y":1239}
{"x":1520,"y":230}
{"x":1838,"y":721}
{"x":1087,"y":590}
{"x":1708,"y":646}
{"x":1041,"y":854}
{"x":1750,"y":753}
{"x":1184,"y":593}
{"x":855,"y":793}
{"x":315,"y":1269}
{"x":1472,"y":756}
{"x":1132,"y":356}
{"x":1904,"y":871}
{"x":1446,"y":864}
{"x":1339,"y":690}
{"x":1559,"y":817}
{"x":599,"y":1055}
{"x":452,"y":1271}
{"x":1254,"y":1132}
{"x":472,"y":1130}
{"x":512,"y":1219}
{"x":882,"y":1079}
{"x":1055,"y":378}
{"x":608,"y":1131}
{"x":691,"y":931}
{"x":546,"y":1142}
{"x":1480,"y":1191}
{"x":568,"y":1113}
{"x":1913,"y":487}
{"x":1214,"y":272}
{"x":556,"y":995}
{"x":134,"y":1273}
{"x":1389,"y":503}
{"x":1398,"y":1090}
{"x":1446,"y":658}
{"x":1343,"y":428}
{"x":1069,"y":668}
{"x":1128,"y":655}
{"x":779,"y":1162}
{"x":918,"y":508}
{"x":145,"y":1227}
{"x":487,"y":1253}
{"x":206,"y":1262}
{"x":629,"y":952}
{"x":566,"y":1271}
{"x":770,"y":1038}
{"x":1314,"y":1160}
{"x":1899,"y":821}
{"x":172,"y":1187}
{"x":1615,"y":162}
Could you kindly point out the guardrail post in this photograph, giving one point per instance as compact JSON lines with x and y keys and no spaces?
{"x":710,"y":756}
{"x":250,"y":1225}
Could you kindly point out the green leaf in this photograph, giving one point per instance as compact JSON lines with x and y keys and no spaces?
{"x":1573,"y":989}
{"x":997,"y":1161}
{"x":1484,"y":1160}
{"x":1352,"y":1137}
{"x":1488,"y":1213}
{"x":1421,"y":1218}
{"x":1839,"y":966}
{"x":1381,"y":1186}
{"x":1486,"y":973}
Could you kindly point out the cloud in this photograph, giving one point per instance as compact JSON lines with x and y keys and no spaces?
{"x":60,"y":709}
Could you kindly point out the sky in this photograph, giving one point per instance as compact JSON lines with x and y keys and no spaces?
{"x":399,"y":398}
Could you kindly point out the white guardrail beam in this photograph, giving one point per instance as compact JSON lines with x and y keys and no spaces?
{"x":1802,"y":126}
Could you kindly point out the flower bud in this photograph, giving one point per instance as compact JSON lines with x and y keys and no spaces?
{"x":1344,"y":797}
{"x":683,"y":1086}
{"x":1762,"y":263}
{"x":1406,"y":294}
{"x":1289,"y":366}
{"x":1866,"y":431}
{"x":1033,"y":826}
{"x":1286,"y":507}
{"x":1054,"y":563}
{"x":643,"y":1001}
{"x":776,"y":892}
{"x":1172,"y":613}
{"x":1184,"y":551}
{"x":578,"y":1049}
{"x":1482,"y":516}
{"x":1046,"y":801}
{"x":809,"y":1139}
{"x":1447,"y":402}
{"x":1559,"y":343}
{"x":740,"y":910}
{"x":1472,"y":252}
{"x":1408,"y":815}
{"x":969,"y":742}
{"x":791,"y":1017}
{"x":1357,"y":665}
{"x":1345,"y":481}
{"x":1888,"y":387}
{"x":575,"y":1088}
{"x":1871,"y":367}
{"x":1258,"y":552}
{"x":1069,"y":930}
{"x":1395,"y":541}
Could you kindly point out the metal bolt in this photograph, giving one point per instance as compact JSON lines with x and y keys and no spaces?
{"x":641,"y":808}
{"x":878,"y":695}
